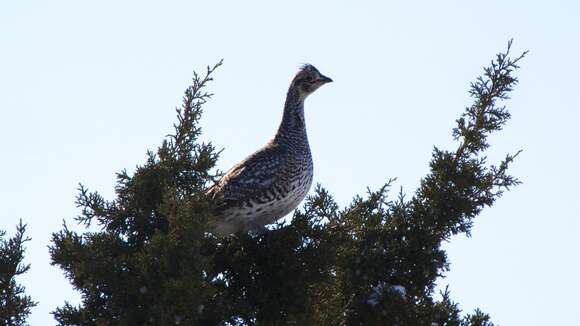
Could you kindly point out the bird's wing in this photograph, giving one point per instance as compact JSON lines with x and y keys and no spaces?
{"x":251,"y":177}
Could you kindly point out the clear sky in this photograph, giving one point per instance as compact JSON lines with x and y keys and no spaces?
{"x":87,"y":87}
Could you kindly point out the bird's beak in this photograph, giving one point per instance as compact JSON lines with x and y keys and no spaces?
{"x":323,"y":79}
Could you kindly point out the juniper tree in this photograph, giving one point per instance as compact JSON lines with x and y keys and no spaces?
{"x":15,"y":305}
{"x":373,"y":262}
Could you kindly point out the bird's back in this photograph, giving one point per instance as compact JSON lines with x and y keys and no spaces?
{"x":264,"y":187}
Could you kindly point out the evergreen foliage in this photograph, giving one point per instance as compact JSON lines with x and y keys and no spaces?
{"x":15,"y":305}
{"x":374,"y":262}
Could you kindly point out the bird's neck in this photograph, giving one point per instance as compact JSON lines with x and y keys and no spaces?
{"x":293,"y":125}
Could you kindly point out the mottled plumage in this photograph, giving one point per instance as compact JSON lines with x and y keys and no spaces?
{"x":271,"y":182}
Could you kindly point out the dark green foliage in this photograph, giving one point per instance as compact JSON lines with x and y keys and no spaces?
{"x":15,"y":305}
{"x":374,"y":262}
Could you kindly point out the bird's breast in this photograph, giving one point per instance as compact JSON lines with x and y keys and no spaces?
{"x":286,"y":198}
{"x":293,"y":181}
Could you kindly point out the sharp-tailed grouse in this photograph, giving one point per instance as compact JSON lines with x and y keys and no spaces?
{"x":270,"y":183}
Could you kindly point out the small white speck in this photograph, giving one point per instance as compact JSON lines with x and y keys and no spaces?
{"x":373,"y":300}
{"x":375,"y":296}
{"x":143,"y":289}
{"x":399,"y":289}
{"x":200,"y":308}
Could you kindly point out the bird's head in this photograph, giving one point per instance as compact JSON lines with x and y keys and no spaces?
{"x":308,"y":79}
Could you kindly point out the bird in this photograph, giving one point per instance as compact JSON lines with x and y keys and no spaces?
{"x":271,"y":182}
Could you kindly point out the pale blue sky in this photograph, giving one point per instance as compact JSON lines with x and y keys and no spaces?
{"x":87,"y":88}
